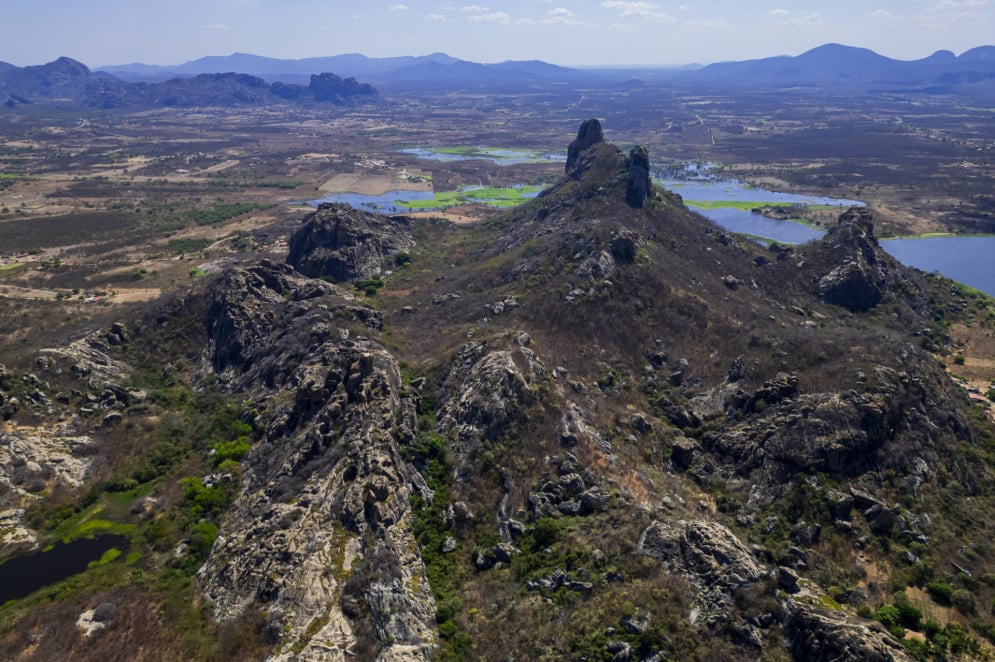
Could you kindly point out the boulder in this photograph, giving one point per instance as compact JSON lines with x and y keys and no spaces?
{"x":707,"y":553}
{"x":340,"y":243}
{"x":860,"y":271}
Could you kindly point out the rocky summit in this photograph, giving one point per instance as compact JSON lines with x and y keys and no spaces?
{"x":595,"y":427}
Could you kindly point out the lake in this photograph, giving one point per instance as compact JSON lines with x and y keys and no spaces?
{"x":698,"y":191}
{"x":23,"y":575}
{"x":967,"y":260}
{"x":963,"y":259}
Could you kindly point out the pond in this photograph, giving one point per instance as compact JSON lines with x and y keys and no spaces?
{"x":23,"y":575}
{"x":967,"y":260}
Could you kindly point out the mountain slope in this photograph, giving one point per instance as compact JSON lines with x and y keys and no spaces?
{"x":596,"y":427}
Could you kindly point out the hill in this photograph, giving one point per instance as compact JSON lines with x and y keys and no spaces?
{"x":597,"y":426}
{"x":847,"y":66}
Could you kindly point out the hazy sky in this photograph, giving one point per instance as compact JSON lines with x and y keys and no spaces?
{"x":568,"y":32}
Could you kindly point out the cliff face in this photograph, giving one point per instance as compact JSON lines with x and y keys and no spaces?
{"x":321,"y":532}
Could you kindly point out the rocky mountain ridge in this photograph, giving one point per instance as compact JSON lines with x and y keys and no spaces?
{"x":596,"y":427}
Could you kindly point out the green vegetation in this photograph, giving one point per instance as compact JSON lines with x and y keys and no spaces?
{"x":494,"y":197}
{"x":195,"y":446}
{"x":220,"y":212}
{"x":179,"y":246}
{"x":494,"y":153}
{"x":280,"y":184}
{"x":445,"y":572}
{"x":7,"y":179}
{"x":369,"y":286}
{"x":13,"y":269}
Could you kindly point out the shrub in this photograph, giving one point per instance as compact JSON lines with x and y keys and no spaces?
{"x":890,"y":617}
{"x":963,"y":601}
{"x":909,"y":615}
{"x":941,"y":592}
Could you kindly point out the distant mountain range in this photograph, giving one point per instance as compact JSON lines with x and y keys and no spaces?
{"x":434,"y":71}
{"x":272,"y":69}
{"x":241,"y":78}
{"x":834,"y":64}
{"x":68,"y":81}
{"x":830,"y":64}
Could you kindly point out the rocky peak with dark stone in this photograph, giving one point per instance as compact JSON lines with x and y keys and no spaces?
{"x":590,"y":134}
{"x":342,"y":243}
{"x":637,"y":186}
{"x":862,"y":272}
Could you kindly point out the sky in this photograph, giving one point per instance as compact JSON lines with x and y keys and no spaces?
{"x":565,"y":32}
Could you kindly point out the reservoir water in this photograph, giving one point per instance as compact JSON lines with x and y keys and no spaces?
{"x":967,"y":260}
{"x":23,"y":575}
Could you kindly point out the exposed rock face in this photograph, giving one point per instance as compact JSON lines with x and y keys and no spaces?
{"x":321,"y":532}
{"x":341,"y":243}
{"x":32,"y":458}
{"x":707,"y":554}
{"x":637,"y":186}
{"x":88,"y":358}
{"x":590,"y":134}
{"x":595,"y":267}
{"x":864,"y":273}
{"x":484,"y":391}
{"x":821,"y":636}
{"x":837,"y":433}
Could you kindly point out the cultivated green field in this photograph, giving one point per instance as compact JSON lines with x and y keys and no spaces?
{"x":494,"y":197}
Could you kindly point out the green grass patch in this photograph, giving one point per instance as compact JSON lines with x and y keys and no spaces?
{"x":495,"y":197}
{"x":745,"y":205}
{"x":108,"y":556}
{"x":13,"y":269}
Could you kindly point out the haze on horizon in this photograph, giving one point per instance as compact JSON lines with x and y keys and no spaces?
{"x":565,"y":32}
